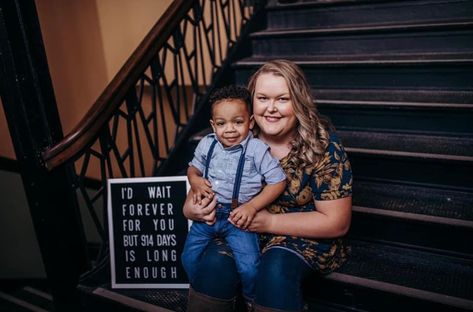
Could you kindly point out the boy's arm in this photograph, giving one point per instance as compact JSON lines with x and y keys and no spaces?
{"x":193,"y":174}
{"x":200,"y":187}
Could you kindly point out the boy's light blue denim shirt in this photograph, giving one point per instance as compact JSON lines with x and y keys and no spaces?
{"x":260,"y":166}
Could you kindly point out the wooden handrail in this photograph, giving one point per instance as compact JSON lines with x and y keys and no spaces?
{"x":113,"y":95}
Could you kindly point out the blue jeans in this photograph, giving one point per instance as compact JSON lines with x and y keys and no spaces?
{"x":244,"y":247}
{"x":279,"y":280}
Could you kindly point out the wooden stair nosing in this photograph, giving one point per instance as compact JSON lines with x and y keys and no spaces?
{"x":444,"y":157}
{"x":365,"y":29}
{"x":332,"y":3}
{"x":414,"y":183}
{"x":426,"y":105}
{"x":371,"y":60}
{"x":21,"y":303}
{"x":324,"y":3}
{"x":402,"y":290}
{"x":38,"y":293}
{"x":128,"y":301}
{"x":414,"y":217}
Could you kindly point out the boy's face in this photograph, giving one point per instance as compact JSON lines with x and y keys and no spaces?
{"x":231,"y":121}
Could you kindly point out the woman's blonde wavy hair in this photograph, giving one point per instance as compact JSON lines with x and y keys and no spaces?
{"x":309,"y":146}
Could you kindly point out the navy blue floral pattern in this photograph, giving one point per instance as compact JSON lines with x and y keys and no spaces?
{"x":330,"y":179}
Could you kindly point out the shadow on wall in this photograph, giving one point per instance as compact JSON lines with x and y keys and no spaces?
{"x":21,"y":258}
{"x":86,"y":43}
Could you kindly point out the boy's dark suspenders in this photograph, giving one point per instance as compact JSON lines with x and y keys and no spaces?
{"x":207,"y":161}
{"x":239,"y":173}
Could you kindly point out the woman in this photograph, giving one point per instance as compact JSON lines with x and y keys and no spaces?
{"x":301,"y":232}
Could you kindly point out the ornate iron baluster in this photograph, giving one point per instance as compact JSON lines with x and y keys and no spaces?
{"x":167,"y":95}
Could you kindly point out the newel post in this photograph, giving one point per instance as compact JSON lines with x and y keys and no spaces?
{"x":32,"y":117}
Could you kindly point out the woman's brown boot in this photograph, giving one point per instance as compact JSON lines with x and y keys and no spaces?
{"x":202,"y":303}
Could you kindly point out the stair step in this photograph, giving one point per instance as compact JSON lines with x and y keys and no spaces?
{"x":444,"y":204}
{"x":390,"y":40}
{"x":103,"y":298}
{"x":37,"y":297}
{"x":412,"y":169}
{"x":96,"y":294}
{"x":316,"y":305}
{"x":19,"y":301}
{"x":451,"y":72}
{"x":409,"y":145}
{"x":391,"y":104}
{"x":402,"y":98}
{"x":368,"y":29}
{"x":413,"y":215}
{"x":438,"y":280}
{"x":431,"y":118}
{"x":332,"y":15}
{"x":412,"y":230}
{"x":430,"y":160}
{"x":417,"y":269}
{"x":379,"y":59}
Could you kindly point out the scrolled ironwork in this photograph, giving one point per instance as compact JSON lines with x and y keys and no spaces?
{"x":134,"y":125}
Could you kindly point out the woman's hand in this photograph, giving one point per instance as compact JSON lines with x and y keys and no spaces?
{"x":331,"y":219}
{"x":262,"y":222}
{"x":204,"y":212}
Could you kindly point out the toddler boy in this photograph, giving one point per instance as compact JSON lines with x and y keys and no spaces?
{"x":232,"y":165}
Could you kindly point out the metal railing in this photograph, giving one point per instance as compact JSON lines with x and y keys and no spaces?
{"x":143,"y":114}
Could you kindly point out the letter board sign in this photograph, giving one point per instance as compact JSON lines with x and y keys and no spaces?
{"x":147,"y":231}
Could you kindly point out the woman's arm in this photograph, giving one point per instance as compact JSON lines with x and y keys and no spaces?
{"x":244,"y":214}
{"x":331,"y":219}
{"x":205,"y":211}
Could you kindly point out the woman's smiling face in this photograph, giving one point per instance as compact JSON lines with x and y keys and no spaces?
{"x":272,"y":107}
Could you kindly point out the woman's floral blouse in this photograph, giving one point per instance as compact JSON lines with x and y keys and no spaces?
{"x":330,"y":179}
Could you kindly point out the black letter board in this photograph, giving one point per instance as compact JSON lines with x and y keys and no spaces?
{"x":147,"y":231}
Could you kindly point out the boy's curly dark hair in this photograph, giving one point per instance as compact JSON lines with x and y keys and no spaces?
{"x":231,"y":92}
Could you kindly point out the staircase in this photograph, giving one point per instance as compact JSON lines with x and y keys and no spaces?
{"x":24,"y":296}
{"x":396,"y":79}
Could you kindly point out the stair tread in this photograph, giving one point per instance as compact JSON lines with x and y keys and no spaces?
{"x":367,"y":59}
{"x":172,"y":299}
{"x":306,"y":4}
{"x":328,"y":15}
{"x":327,"y":103}
{"x":337,"y":3}
{"x":36,"y":297}
{"x":376,"y":28}
{"x":416,"y":145}
{"x":416,"y":199}
{"x":98,"y":282}
{"x":414,"y":97}
{"x":17,"y":302}
{"x":440,"y":274}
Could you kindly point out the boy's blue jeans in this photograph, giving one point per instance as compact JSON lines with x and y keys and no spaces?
{"x":244,"y":246}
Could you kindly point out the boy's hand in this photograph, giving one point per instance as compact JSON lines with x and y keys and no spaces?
{"x":201,"y":188}
{"x":242,"y":216}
